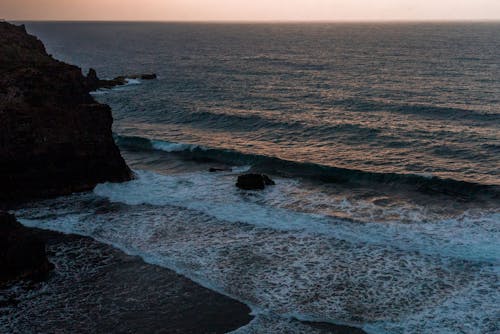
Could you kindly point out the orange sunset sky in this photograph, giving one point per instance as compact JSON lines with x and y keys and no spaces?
{"x":252,"y":10}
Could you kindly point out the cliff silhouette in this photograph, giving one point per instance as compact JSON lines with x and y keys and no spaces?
{"x":55,"y":139}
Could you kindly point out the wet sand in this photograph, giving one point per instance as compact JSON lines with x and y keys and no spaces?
{"x":98,"y":289}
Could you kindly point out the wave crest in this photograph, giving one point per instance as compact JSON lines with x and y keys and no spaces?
{"x":427,"y":184}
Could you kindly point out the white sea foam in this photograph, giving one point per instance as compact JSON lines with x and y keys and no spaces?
{"x":387,"y":278}
{"x":130,"y":81}
{"x":472,"y":236}
{"x":463,"y":312}
{"x":268,"y":324}
{"x":285,"y":272}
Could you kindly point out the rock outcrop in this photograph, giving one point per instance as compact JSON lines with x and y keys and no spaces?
{"x":254,"y":181}
{"x":22,"y":253}
{"x":94,"y":83}
{"x":54,"y":137}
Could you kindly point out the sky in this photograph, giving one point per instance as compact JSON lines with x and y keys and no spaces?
{"x":250,"y":10}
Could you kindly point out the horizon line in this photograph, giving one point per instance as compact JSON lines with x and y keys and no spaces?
{"x":264,"y":21}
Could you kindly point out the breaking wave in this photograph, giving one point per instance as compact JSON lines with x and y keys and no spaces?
{"x":428,"y":184}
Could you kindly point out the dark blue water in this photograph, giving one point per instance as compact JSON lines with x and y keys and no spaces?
{"x":384,"y":140}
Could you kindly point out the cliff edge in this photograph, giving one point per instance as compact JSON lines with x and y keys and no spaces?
{"x":22,"y":252}
{"x":55,"y":139}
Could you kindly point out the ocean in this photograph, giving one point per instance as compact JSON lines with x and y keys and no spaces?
{"x":383,"y":139}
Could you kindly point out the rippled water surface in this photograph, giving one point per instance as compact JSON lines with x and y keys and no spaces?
{"x":404,"y":98}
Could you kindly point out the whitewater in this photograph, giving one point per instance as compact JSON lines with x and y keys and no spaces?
{"x":286,"y":262}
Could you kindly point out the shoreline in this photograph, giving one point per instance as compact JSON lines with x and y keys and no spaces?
{"x":97,"y":288}
{"x":100,"y":289}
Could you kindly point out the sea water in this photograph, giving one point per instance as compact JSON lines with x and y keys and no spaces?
{"x":383,"y":139}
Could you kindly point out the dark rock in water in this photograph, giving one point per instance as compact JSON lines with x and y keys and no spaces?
{"x":92,"y":80}
{"x":54,"y":137}
{"x":94,"y":83}
{"x":254,"y":181}
{"x":215,"y":170}
{"x":147,"y":76}
{"x":151,"y":76}
{"x":268,"y":181}
{"x":118,"y":81}
{"x":22,"y":254}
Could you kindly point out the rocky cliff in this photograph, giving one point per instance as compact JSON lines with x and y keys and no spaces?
{"x":22,"y":252}
{"x":54,"y":137}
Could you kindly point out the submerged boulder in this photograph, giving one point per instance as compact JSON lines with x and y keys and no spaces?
{"x":216,"y":169}
{"x":151,"y":76}
{"x":254,"y":181}
{"x":22,"y":253}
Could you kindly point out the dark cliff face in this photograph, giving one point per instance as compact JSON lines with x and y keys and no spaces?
{"x":22,"y":253}
{"x":54,"y":137}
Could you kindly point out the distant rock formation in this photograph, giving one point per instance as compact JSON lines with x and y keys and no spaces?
{"x":22,"y":253}
{"x":94,"y":83}
{"x":54,"y":137}
{"x":254,"y":181}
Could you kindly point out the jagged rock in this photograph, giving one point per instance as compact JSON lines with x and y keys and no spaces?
{"x":151,"y":76}
{"x":254,"y":181}
{"x":22,"y":253}
{"x":95,"y":83}
{"x":54,"y":137}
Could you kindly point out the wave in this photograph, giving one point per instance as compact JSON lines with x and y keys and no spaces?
{"x":203,"y":227}
{"x":439,"y":112}
{"x":470,"y":236}
{"x":427,"y":184}
{"x":140,"y":143}
{"x":199,"y":250}
{"x":272,"y":122}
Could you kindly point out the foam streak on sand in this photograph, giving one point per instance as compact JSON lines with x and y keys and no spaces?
{"x":385,"y":277}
